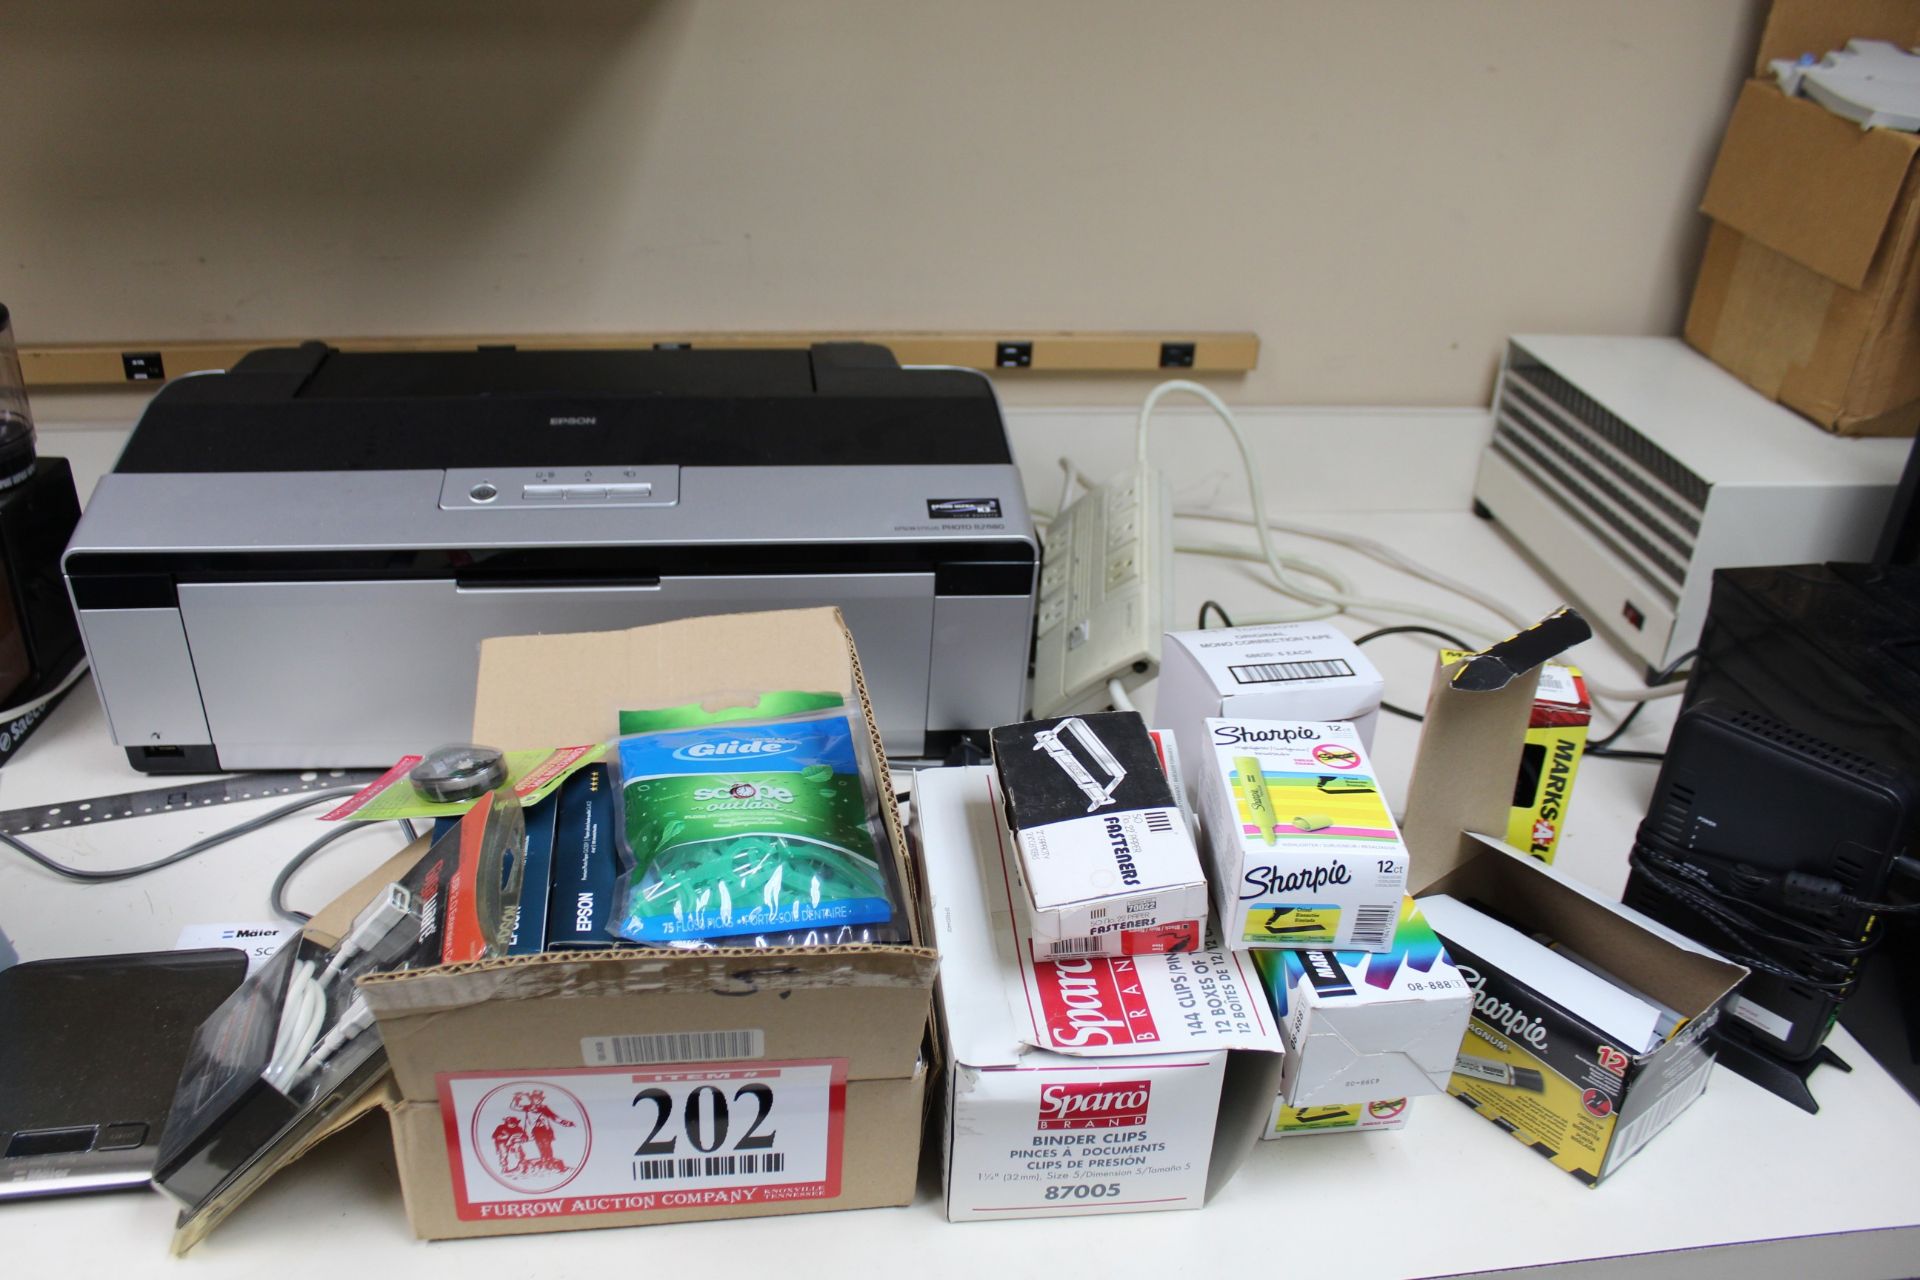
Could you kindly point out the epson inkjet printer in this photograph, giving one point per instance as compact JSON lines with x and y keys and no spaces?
{"x":293,"y":563}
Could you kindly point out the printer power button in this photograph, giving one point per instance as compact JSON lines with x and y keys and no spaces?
{"x":483,"y":492}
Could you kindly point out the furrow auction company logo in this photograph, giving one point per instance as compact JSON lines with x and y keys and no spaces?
{"x":1095,"y":1000}
{"x":1118,"y":1105}
{"x":531,"y":1136}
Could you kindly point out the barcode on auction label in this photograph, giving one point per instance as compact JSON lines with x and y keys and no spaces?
{"x":622,"y":1139}
{"x":673,"y":1046}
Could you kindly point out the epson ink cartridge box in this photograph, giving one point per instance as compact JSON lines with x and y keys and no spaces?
{"x":585,"y":864}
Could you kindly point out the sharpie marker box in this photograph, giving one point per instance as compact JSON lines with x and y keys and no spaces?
{"x":1584,"y":1097}
{"x":1367,"y":1025}
{"x":1084,"y":1086}
{"x":1303,"y":851}
{"x":1103,"y":845}
{"x":1281,"y":671}
{"x":1337,"y":1117}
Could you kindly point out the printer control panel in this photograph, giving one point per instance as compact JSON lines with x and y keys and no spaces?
{"x":495,"y":488}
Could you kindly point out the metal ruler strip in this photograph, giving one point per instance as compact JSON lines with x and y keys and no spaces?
{"x":195,"y":795}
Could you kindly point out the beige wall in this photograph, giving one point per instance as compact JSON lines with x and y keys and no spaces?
{"x":1380,"y":188}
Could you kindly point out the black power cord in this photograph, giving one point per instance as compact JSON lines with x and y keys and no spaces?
{"x":1213,"y":606}
{"x":1452,"y":641}
{"x":1803,"y":947}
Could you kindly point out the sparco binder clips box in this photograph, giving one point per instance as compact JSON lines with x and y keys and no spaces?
{"x":1589,"y":1028}
{"x":1092,"y":1084}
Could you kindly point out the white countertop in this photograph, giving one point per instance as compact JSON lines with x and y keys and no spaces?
{"x":1772,"y":1190}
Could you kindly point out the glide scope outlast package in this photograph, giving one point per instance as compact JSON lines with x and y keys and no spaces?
{"x":1302,"y":848}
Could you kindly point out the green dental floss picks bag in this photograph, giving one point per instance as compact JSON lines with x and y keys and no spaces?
{"x":753,"y":826}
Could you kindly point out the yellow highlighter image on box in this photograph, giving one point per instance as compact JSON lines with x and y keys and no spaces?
{"x":1304,"y":851}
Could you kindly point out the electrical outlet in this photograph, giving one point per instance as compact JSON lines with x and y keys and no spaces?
{"x":1106,"y":592}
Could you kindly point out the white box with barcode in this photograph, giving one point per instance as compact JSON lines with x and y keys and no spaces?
{"x":1091,"y":1085}
{"x":1303,"y":850}
{"x":1282,"y":671}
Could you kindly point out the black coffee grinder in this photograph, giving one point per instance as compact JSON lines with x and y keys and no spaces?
{"x":40,"y":652}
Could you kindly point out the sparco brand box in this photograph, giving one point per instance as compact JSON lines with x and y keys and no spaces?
{"x":1090,"y":1085}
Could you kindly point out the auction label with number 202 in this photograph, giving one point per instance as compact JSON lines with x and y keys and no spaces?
{"x":557,"y":1143}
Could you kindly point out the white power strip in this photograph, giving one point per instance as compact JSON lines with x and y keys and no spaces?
{"x":1106,"y":591}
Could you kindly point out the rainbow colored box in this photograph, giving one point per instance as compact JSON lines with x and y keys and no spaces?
{"x":1304,"y":853}
{"x":1366,"y":1025}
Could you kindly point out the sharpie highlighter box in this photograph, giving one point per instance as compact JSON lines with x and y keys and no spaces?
{"x":1304,"y":852}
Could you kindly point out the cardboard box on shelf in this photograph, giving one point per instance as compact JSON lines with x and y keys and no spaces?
{"x":1598,"y":1101}
{"x":1810,"y":287}
{"x":1090,"y":1085}
{"x":749,"y":1082}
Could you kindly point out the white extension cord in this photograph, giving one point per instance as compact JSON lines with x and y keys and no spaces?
{"x":1338,"y":597}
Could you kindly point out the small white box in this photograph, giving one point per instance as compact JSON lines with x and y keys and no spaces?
{"x":1084,"y":1086}
{"x":1303,"y":850}
{"x":1362,"y":1026}
{"x":1103,"y":844}
{"x":1284,"y":671}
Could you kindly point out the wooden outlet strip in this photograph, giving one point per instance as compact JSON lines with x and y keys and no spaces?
{"x":1171,"y":353}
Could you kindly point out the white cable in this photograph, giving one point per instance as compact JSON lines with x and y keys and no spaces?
{"x":302,"y":1011}
{"x":66,"y":683}
{"x":1117,"y":694}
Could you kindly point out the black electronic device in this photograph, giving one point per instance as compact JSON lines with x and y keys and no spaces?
{"x":90,"y":1052}
{"x":39,"y":639}
{"x":1834,"y":650}
{"x":1776,"y":849}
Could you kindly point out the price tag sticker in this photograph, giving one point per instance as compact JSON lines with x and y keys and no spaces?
{"x":566,"y":1142}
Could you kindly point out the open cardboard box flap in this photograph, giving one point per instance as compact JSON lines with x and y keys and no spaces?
{"x":537,"y":691}
{"x":532,"y":1012}
{"x":1809,"y":184}
{"x":1462,"y":787}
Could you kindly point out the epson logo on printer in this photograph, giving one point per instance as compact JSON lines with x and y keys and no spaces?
{"x":573,"y":420}
{"x":1261,"y":881}
{"x":737,"y":749}
{"x":963,"y":508}
{"x":1232,"y":735}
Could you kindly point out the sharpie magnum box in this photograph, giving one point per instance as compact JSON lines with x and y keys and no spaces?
{"x":1560,"y":1085}
{"x":1087,"y":1085}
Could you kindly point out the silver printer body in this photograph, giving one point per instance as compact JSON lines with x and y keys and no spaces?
{"x":270,"y":578}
